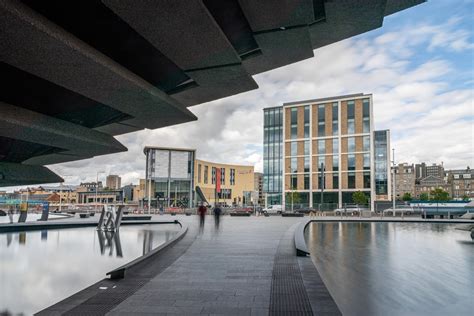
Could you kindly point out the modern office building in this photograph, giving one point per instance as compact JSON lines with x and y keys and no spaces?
{"x":323,"y":149}
{"x":236,"y":182}
{"x":175,"y":178}
{"x":169,"y":176}
{"x":113,"y":182}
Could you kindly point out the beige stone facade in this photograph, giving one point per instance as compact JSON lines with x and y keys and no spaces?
{"x":336,"y":132}
{"x":237,"y":182}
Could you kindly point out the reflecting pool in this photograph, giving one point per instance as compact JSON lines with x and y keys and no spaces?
{"x":32,"y":217}
{"x":40,"y":268}
{"x":395,"y":268}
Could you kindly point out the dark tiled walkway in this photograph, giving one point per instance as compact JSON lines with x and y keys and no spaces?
{"x":245,"y":267}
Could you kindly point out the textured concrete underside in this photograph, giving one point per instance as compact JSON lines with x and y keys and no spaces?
{"x":139,"y":64}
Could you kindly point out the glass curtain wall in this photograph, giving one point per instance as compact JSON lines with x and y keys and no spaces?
{"x":273,"y":154}
{"x":381,"y":162}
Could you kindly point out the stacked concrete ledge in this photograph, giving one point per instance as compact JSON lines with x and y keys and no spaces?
{"x":300,"y":241}
{"x":119,"y":273}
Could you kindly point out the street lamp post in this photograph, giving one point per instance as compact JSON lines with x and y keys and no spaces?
{"x":96,"y":188}
{"x":394,"y":195}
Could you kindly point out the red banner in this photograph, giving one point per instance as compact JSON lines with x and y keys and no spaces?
{"x":218,"y":180}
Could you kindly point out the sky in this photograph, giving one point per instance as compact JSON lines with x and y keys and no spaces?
{"x":419,"y":66}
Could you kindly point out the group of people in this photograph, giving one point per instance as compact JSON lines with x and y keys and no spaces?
{"x":202,"y":211}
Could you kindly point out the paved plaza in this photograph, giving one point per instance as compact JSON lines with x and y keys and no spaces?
{"x":245,"y":266}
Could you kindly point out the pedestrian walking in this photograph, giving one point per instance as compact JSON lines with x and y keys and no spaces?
{"x":202,"y":210}
{"x":217,"y":215}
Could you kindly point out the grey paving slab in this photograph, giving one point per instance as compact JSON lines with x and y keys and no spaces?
{"x":226,"y":271}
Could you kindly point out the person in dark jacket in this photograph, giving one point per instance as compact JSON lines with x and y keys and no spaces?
{"x":217,"y":214}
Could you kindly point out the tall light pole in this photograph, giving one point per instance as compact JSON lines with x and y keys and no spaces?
{"x":96,"y":188}
{"x":393,"y":181}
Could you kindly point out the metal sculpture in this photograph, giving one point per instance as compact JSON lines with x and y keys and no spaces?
{"x":110,"y":218}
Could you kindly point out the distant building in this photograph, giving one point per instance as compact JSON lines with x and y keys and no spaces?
{"x":237,"y":184}
{"x":429,"y":183}
{"x":90,"y":186}
{"x":404,"y":180}
{"x":462,"y":182}
{"x":258,"y":185}
{"x":422,"y":170}
{"x":174,"y":178}
{"x":113,"y":182}
{"x":128,"y":191}
{"x":169,"y":176}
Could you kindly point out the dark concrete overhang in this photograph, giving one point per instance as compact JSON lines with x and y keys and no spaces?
{"x":76,"y":73}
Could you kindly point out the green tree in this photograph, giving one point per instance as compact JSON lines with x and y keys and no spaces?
{"x":424,"y":197}
{"x":465,"y":198}
{"x":439,"y":194}
{"x":406,"y":196}
{"x":359,"y":198}
{"x":293,"y":197}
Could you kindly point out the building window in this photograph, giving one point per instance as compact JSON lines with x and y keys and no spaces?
{"x":335,"y":145}
{"x":206,"y":174}
{"x":306,"y":147}
{"x":306,"y":181}
{"x":351,"y":180}
{"x":366,"y":143}
{"x":307,"y":160}
{"x":335,"y":181}
{"x":366,"y":161}
{"x":294,"y":165}
{"x":294,"y":149}
{"x":321,"y":161}
{"x":335,"y":120}
{"x":306,"y":121}
{"x":321,"y":146}
{"x":350,"y":117}
{"x":199,"y":173}
{"x":366,"y":180}
{"x":365,"y":108}
{"x":321,"y":120}
{"x":351,"y":144}
{"x":232,"y":176}
{"x":351,"y":162}
{"x":294,"y":123}
{"x":222,"y":175}
{"x":335,"y":163}
{"x":213,"y":179}
{"x":294,"y":182}
{"x":366,"y":125}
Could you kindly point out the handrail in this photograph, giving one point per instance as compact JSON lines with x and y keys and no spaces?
{"x":119,"y":273}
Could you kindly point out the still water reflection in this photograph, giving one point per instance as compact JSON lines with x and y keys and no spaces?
{"x":40,"y":268}
{"x":395,"y":268}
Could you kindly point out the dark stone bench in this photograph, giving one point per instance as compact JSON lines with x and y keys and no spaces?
{"x":292,"y":215}
{"x":239,"y":214}
{"x":136,"y":218}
